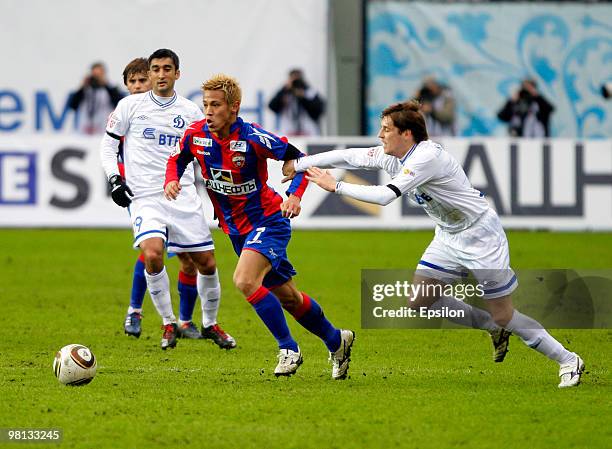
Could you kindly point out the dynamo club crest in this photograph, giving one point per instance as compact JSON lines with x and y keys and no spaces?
{"x":179,"y":122}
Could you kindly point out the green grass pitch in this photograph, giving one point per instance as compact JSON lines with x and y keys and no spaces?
{"x":417,"y":388}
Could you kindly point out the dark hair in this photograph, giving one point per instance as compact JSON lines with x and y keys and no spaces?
{"x":97,"y":64}
{"x":296,"y":72}
{"x":138,"y":65}
{"x":164,"y":53}
{"x":531,"y":81}
{"x":405,"y":116}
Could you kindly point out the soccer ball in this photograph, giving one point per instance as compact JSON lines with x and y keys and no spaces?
{"x":74,"y":365}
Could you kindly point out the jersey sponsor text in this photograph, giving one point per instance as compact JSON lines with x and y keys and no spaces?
{"x":228,"y":188}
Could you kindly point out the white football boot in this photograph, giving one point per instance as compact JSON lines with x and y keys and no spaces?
{"x":288,"y":362}
{"x":570,"y":373}
{"x":341,"y":358}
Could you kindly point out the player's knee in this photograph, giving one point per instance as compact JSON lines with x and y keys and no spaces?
{"x":187,"y":265}
{"x":189,"y":269}
{"x":204,"y":262}
{"x":154,"y":259}
{"x":208,"y":265}
{"x":290,"y":300}
{"x":245,"y":284}
{"x":502,"y":317}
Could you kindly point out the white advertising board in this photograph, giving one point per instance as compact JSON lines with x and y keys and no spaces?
{"x":559,"y":184}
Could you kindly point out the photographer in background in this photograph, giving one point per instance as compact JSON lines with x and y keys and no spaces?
{"x":527,"y":112}
{"x":298,"y":107}
{"x":94,"y":100}
{"x":437,"y":106}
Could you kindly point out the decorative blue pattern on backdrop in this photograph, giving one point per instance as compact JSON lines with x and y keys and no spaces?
{"x":483,"y":51}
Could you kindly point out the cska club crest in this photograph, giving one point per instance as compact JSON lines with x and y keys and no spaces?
{"x":238,"y":161}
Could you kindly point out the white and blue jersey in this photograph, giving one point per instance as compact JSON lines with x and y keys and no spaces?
{"x":427,"y":175}
{"x":151,"y":126}
{"x":468,"y":234}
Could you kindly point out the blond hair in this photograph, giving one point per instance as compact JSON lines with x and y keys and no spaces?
{"x":227,"y":84}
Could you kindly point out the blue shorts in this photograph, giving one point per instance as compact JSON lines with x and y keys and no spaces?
{"x":271,"y":242}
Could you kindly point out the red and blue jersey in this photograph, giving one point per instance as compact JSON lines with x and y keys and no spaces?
{"x":235,"y":172}
{"x":120,"y":163}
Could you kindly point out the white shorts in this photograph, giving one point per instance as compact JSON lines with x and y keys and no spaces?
{"x":481,"y":249}
{"x":180,"y":223}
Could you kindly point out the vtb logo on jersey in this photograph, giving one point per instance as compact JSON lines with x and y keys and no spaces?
{"x":238,"y":145}
{"x":422,"y":198}
{"x":179,"y":122}
{"x":164,"y":139}
{"x":221,"y":175}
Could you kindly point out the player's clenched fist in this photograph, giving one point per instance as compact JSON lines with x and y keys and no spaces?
{"x":172,"y":190}
{"x":120,"y":191}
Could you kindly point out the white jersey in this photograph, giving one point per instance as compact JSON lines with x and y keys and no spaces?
{"x":427,"y":174}
{"x":151,"y":127}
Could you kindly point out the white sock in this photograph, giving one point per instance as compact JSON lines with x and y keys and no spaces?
{"x":472,"y":316}
{"x":209,"y":290}
{"x":536,"y":337}
{"x":159,"y":289}
{"x":132,"y":310}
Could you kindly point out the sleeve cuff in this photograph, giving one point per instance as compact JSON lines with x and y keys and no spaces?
{"x":299,"y":195}
{"x":297,"y":166}
{"x":169,"y":180}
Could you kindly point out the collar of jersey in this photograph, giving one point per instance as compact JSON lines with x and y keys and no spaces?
{"x":237,"y":124}
{"x":155,"y":100}
{"x":410,"y":151}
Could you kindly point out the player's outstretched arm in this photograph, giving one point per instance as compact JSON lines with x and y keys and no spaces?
{"x":172,"y":190}
{"x":328,"y":159}
{"x":382,"y":195}
{"x":350,"y":159}
{"x":322,"y":178}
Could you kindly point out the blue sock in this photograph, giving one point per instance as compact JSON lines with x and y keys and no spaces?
{"x":139,"y":285}
{"x":269,"y":309}
{"x":310,"y":316}
{"x":188,"y":294}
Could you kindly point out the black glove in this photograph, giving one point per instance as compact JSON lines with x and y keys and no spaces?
{"x":120,"y":191}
